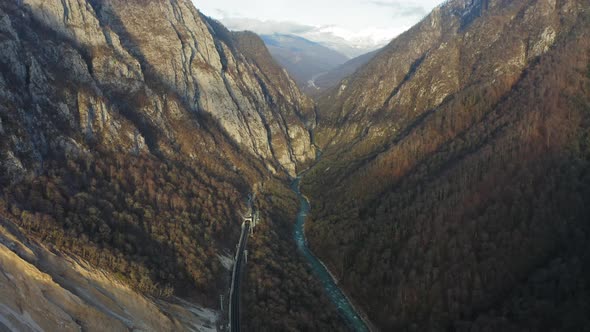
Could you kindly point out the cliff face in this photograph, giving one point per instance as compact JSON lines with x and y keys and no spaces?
{"x":43,"y":289}
{"x":452,"y":194}
{"x":179,"y":52}
{"x":131,"y":133}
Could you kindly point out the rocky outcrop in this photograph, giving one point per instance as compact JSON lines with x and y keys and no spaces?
{"x":181,"y":52}
{"x":45,"y":290}
{"x":130,"y":134}
{"x":199,"y":60}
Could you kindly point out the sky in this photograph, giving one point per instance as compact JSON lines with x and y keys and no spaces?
{"x":360,"y":24}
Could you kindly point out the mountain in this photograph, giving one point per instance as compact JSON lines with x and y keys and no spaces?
{"x":452,"y":194}
{"x":330,"y":79}
{"x":131,"y":134}
{"x":350,"y":47}
{"x":448,"y":176}
{"x":302,"y":58}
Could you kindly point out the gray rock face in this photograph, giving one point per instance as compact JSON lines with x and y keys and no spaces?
{"x":105,"y":66}
{"x":194,"y":56}
{"x":153,"y":90}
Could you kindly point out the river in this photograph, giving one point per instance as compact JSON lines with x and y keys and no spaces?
{"x":345,"y":308}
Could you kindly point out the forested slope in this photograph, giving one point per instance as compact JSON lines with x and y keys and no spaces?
{"x":453,"y":190}
{"x":131,"y":133}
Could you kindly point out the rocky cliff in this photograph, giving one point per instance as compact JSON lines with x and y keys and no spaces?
{"x":180,"y":52}
{"x":131,"y":133}
{"x":452,"y":190}
{"x":45,"y":290}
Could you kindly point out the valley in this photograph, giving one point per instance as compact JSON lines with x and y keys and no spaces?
{"x":440,"y":183}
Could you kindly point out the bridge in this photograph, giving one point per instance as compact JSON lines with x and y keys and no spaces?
{"x":250,"y":220}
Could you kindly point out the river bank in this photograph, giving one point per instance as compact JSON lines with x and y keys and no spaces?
{"x":355,"y":320}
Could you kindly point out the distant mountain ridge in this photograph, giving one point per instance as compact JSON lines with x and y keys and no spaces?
{"x":351,"y":47}
{"x":302,"y":58}
{"x":325,"y":81}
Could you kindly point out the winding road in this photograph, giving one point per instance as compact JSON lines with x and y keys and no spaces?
{"x":345,"y":308}
{"x":234,"y":306}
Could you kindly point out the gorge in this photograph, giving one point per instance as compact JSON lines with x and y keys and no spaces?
{"x":451,"y":194}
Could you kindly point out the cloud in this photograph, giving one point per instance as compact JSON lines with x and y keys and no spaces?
{"x":266,"y":27}
{"x":219,"y":12}
{"x":347,"y":41}
{"x":401,"y":9}
{"x":351,"y":43}
{"x":356,"y":26}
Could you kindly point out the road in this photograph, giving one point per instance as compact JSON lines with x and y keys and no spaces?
{"x":234,"y":309}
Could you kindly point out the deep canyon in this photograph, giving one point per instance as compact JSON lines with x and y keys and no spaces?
{"x":452,"y":192}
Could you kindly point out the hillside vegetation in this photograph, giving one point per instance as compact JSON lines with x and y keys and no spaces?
{"x":453,"y":189}
{"x":132,"y":132}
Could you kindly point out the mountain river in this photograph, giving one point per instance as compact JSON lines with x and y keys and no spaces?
{"x":345,"y":308}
